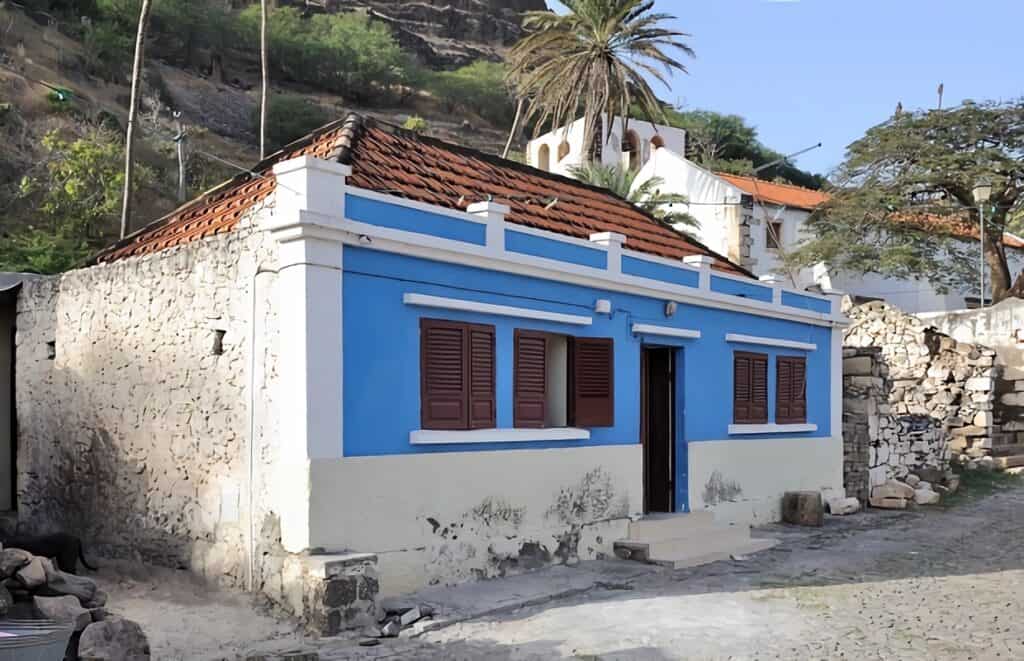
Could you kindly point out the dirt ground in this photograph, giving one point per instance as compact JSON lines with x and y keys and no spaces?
{"x":928,"y":584}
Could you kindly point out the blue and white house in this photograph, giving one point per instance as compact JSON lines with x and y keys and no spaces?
{"x":483,"y":368}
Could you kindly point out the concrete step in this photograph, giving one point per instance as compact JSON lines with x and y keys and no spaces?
{"x":655,"y":527}
{"x":725,"y":537}
{"x":683,"y":559}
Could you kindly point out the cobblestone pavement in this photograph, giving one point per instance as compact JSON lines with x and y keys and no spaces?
{"x":928,"y":584}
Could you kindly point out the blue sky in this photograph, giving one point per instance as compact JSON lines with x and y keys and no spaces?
{"x":804,"y":71}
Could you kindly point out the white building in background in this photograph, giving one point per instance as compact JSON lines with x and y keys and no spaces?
{"x":751,"y":221}
{"x":629,"y":146}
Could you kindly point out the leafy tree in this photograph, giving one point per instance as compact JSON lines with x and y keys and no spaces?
{"x":478,"y":87}
{"x":348,"y":54}
{"x":904,"y":197}
{"x":416,"y":124}
{"x":73,"y":204}
{"x":290,"y":117}
{"x":593,"y":60}
{"x":726,"y":143}
{"x":648,"y":196}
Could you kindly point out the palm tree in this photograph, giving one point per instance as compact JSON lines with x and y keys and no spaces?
{"x":133,"y":108}
{"x":595,"y":59}
{"x":648,"y":196}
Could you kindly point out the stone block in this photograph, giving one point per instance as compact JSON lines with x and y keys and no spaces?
{"x":858,"y":366}
{"x":803,"y":508}
{"x":926,"y":497}
{"x":888,"y":503}
{"x":971,"y":430}
{"x":983,"y":419}
{"x":842,"y":506}
{"x":980,"y":384}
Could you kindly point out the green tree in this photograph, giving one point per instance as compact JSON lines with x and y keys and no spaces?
{"x":290,"y":117}
{"x":478,"y":87}
{"x":594,"y":60}
{"x":648,"y":196}
{"x":904,"y":197}
{"x":416,"y":124}
{"x":72,"y":206}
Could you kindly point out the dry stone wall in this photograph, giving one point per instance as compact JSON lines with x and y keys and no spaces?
{"x":913,"y":398}
{"x":133,"y":405}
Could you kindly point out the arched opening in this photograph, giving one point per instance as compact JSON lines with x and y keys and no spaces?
{"x":563,"y":150}
{"x":544,"y":158}
{"x":631,"y":150}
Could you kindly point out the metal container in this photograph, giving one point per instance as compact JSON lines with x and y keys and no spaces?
{"x":33,"y":640}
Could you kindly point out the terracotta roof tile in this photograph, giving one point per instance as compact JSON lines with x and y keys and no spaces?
{"x":787,"y":195}
{"x":389,"y":160}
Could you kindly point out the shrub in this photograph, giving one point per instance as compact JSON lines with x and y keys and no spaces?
{"x":416,"y":124}
{"x":478,"y":87}
{"x":290,"y":117}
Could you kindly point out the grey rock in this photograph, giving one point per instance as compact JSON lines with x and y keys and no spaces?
{"x":63,"y":609}
{"x":60,"y":583}
{"x":6,"y":601}
{"x":113,"y":639}
{"x":11,"y":560}
{"x":32,"y":575}
{"x":391,"y":629}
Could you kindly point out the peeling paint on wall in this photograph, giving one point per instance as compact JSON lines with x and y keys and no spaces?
{"x":719,"y":490}
{"x":593,"y":498}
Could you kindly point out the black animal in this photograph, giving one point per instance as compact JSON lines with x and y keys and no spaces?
{"x":64,"y":548}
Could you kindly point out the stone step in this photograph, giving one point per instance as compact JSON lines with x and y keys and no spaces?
{"x":655,"y":527}
{"x":711,"y":539}
{"x":695,"y":559}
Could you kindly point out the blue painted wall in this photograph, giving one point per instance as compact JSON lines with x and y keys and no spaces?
{"x":381,"y":351}
{"x":806,"y":302}
{"x":741,"y":288}
{"x":395,"y":216}
{"x":647,"y":269}
{"x":531,"y":244}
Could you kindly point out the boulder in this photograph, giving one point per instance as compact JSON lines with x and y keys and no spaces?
{"x":842,"y":506}
{"x":32,"y":575}
{"x":113,"y":639}
{"x":6,"y":601}
{"x":63,"y":609}
{"x":61,"y":583}
{"x":11,"y":560}
{"x":913,"y":480}
{"x":888,"y":502}
{"x":926,"y":497}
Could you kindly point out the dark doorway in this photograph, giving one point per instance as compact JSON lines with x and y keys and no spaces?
{"x":7,"y":422}
{"x":657,"y":400}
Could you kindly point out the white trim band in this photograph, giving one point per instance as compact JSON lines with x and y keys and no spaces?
{"x":424,"y":300}
{"x":770,"y":342}
{"x":666,"y":331}
{"x":440,"y":437}
{"x":735,"y":430}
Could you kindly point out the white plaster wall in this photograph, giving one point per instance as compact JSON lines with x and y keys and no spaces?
{"x":673,"y":139}
{"x":713,"y":202}
{"x":136,"y":436}
{"x":908,"y":295}
{"x":768,"y":260}
{"x":742,"y":481}
{"x":447,"y":517}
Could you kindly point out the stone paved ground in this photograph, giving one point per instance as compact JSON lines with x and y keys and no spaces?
{"x":929,"y":584}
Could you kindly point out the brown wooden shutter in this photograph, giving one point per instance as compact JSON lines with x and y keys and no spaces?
{"x":592,"y":381}
{"x":530,"y":388}
{"x":791,"y":390}
{"x":444,"y":391}
{"x":482,"y":405}
{"x":750,"y":388}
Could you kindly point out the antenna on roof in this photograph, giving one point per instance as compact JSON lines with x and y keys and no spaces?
{"x":785,"y":158}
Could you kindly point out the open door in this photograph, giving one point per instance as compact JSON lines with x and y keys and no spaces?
{"x":657,"y":399}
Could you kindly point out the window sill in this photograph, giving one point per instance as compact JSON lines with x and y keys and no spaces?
{"x":442,"y":437}
{"x":738,"y":430}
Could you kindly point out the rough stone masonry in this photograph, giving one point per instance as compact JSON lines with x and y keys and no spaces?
{"x":913,"y":398}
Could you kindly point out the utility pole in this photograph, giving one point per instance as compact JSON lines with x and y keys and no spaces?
{"x":179,"y":141}
{"x":265,"y":76}
{"x":133,"y":108}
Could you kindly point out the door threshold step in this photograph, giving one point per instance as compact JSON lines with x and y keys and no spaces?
{"x":681,"y":558}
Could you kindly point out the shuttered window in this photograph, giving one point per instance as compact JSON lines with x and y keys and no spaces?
{"x":791,"y":390}
{"x":456,"y":375}
{"x":592,"y":382}
{"x":553,"y":387}
{"x":530,"y":389}
{"x":750,"y":388}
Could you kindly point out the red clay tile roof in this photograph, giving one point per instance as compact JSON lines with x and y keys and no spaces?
{"x":787,"y":195}
{"x":397,"y":162}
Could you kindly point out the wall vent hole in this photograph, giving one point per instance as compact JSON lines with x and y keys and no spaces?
{"x":51,"y":350}
{"x":218,"y":342}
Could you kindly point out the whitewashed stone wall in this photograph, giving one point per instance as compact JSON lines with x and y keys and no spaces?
{"x":134,"y":404}
{"x":926,"y":398}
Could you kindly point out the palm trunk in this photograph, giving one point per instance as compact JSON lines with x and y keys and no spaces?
{"x":133,"y":107}
{"x":995,"y":258}
{"x":265,"y":88}
{"x":515,"y":127}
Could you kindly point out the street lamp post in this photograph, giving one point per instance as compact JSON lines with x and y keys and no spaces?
{"x":982,"y":192}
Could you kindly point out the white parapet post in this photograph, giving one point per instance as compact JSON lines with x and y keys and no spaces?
{"x":613,"y":241}
{"x":774,"y":281}
{"x":307,"y":222}
{"x":702,"y":262}
{"x":493,"y":214}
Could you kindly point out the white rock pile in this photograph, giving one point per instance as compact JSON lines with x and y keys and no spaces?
{"x":34,"y":587}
